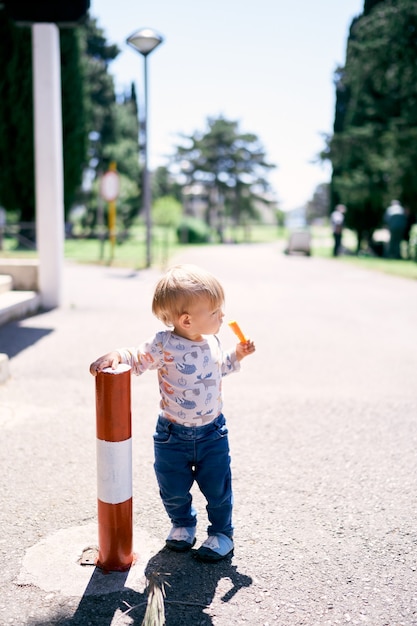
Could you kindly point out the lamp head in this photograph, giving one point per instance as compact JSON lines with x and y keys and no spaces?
{"x":145,"y":40}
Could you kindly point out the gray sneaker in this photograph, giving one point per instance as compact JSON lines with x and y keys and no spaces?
{"x":181,"y":539}
{"x":215,"y":548}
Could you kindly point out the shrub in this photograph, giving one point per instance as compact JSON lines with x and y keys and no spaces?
{"x":193,"y":230}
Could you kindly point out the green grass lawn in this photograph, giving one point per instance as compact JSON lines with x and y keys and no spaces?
{"x":322,"y":243}
{"x":131,"y":253}
{"x":401,"y":267}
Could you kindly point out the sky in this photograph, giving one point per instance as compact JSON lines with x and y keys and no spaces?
{"x":268,"y":65}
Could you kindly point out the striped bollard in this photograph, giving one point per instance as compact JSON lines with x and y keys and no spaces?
{"x":114,"y":469}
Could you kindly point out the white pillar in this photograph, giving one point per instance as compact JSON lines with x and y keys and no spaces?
{"x":49,"y":176}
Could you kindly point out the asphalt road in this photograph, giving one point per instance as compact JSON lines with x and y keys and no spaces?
{"x":323,"y":432}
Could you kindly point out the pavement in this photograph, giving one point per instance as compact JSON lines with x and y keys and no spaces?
{"x":323,"y":433}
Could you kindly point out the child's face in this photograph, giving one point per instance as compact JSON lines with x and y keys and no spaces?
{"x":204,"y":318}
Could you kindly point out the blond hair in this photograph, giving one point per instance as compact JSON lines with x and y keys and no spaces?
{"x":182,"y":286}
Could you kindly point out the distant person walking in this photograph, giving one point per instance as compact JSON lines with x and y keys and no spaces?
{"x":337,"y":220}
{"x":396,"y":221}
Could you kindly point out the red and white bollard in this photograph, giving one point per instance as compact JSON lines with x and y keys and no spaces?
{"x":114,"y":469}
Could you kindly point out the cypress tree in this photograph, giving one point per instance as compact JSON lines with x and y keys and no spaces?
{"x":16,"y":120}
{"x":373,"y":147}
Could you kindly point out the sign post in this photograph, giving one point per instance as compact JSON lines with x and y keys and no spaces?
{"x":109,"y":191}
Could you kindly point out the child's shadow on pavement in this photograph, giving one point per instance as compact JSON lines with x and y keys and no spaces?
{"x":190,"y":585}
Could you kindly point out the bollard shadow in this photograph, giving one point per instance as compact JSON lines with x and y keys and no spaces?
{"x":190,"y":587}
{"x":15,"y":338}
{"x":105,"y":599}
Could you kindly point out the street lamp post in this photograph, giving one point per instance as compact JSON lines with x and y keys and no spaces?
{"x":144,"y":41}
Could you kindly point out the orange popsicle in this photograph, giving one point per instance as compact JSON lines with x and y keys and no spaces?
{"x":236,"y":329}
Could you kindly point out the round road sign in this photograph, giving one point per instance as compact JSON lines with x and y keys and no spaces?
{"x":109,"y":186}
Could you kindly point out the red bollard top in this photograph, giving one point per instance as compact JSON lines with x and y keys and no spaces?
{"x":113,"y":404}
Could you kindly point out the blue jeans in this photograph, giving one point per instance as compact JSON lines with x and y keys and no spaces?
{"x":184,"y":454}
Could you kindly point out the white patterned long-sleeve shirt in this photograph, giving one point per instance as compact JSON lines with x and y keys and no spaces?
{"x":189,"y":374}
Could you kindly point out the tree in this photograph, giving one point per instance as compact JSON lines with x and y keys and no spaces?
{"x":113,"y":126}
{"x":16,"y":118}
{"x":166,"y":213}
{"x":124,"y":151}
{"x":369,"y":5}
{"x":373,"y":148}
{"x":124,"y":147}
{"x":100,"y":98}
{"x":97,"y":128}
{"x":74,"y":121}
{"x":231,"y":165}
{"x":318,"y":206}
{"x":164,"y":184}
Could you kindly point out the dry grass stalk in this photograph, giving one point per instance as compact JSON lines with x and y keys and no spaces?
{"x":155,"y":609}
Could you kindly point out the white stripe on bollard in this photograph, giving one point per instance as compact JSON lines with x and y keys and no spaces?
{"x":114,"y":471}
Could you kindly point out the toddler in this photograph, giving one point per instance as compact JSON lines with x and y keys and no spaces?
{"x":190,"y":442}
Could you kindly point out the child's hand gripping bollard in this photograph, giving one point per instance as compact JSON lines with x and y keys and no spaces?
{"x":114,"y":469}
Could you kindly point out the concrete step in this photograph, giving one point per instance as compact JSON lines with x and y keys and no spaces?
{"x":24,"y":272}
{"x":15,"y":305}
{"x":6,"y":283}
